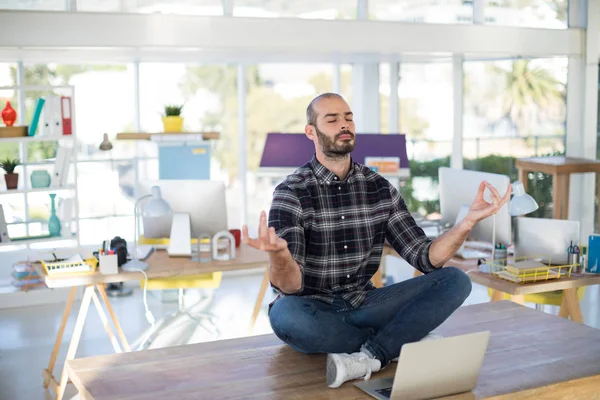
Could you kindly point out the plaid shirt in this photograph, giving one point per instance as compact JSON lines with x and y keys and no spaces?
{"x":336,"y":230}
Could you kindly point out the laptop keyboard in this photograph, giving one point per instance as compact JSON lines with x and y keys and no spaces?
{"x":387,"y":392}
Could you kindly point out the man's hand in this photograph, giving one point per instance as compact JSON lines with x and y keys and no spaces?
{"x":267,"y":238}
{"x":481,"y":209}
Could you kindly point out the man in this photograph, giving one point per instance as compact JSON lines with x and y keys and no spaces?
{"x":328,"y":223}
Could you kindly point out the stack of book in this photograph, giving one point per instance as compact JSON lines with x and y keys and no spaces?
{"x":25,"y":277}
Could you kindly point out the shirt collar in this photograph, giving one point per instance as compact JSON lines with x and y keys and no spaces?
{"x":324,"y":175}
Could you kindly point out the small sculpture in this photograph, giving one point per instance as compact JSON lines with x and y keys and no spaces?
{"x":225,"y":255}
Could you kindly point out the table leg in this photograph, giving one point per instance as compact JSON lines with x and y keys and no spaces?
{"x":556,"y":197}
{"x":377,"y":279}
{"x":85,"y":305}
{"x":497,"y":295}
{"x":259,"y":299}
{"x":523,"y":177}
{"x":417,"y":273}
{"x":113,"y":316}
{"x":566,"y":183}
{"x":518,"y":298}
{"x":59,"y":336}
{"x":104,"y":319}
{"x":571,"y":303}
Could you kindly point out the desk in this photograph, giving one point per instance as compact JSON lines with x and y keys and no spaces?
{"x":560,"y":168}
{"x":569,"y":307}
{"x":160,"y":266}
{"x":529,"y":352}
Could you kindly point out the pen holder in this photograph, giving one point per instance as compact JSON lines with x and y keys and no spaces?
{"x":573,"y":259}
{"x":109,"y":264}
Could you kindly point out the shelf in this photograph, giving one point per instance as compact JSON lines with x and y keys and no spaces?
{"x":40,"y":240}
{"x":25,"y":139}
{"x":37,"y":190}
{"x":176,"y":136}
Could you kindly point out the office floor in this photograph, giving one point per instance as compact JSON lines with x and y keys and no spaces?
{"x":27,"y":334}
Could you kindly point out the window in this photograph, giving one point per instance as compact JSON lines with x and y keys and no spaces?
{"x":38,"y":5}
{"x":276,"y":102}
{"x":426,"y":112}
{"x":181,"y":7}
{"x":528,"y":13}
{"x":444,"y":12}
{"x":499,"y":126}
{"x":310,"y":9}
{"x":209,"y":97}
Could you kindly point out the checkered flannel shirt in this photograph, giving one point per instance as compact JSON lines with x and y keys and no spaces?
{"x":336,"y":230}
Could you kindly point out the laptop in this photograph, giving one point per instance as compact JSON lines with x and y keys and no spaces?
{"x":433,"y":368}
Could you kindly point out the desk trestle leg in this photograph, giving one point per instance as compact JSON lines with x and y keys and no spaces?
{"x":259,"y":300}
{"x":63,"y":323}
{"x":111,"y":312}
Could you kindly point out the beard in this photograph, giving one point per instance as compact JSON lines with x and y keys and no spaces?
{"x":334,"y":149}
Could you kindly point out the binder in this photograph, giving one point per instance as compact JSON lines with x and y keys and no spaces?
{"x":36,"y":116}
{"x":4,"y":238}
{"x":65,"y":107}
{"x":61,"y":166}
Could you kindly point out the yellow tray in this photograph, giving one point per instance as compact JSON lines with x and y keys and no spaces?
{"x":529,"y":269}
{"x":68,"y":268}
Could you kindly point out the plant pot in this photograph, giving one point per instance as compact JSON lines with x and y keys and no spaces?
{"x":12,"y":180}
{"x":173,"y":124}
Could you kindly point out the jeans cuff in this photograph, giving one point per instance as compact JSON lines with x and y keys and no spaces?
{"x":371,"y":352}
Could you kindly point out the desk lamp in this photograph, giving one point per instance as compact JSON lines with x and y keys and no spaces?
{"x":155,"y":208}
{"x":520,"y":204}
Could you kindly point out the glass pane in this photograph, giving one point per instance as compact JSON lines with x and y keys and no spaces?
{"x":435,"y":11}
{"x":178,"y":7}
{"x":426,"y":115}
{"x":311,"y":9}
{"x":94,"y":231}
{"x":515,"y":109}
{"x":97,"y":109}
{"x":277,"y":102}
{"x":105,"y":188}
{"x":52,"y":5}
{"x":13,"y":206}
{"x":528,"y":13}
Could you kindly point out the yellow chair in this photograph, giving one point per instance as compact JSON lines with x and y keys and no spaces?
{"x":553,"y":298}
{"x":200,"y":281}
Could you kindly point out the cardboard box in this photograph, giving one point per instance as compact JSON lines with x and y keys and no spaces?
{"x":13,"y":131}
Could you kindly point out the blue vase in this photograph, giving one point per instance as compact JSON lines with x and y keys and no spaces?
{"x":53,"y":221}
{"x":40,"y":179}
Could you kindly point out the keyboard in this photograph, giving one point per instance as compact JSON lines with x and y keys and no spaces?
{"x":469,"y":254}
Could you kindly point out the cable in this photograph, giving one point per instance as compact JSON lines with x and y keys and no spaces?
{"x":148,"y":314}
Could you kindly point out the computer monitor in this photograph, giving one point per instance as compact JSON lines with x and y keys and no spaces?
{"x":458,"y":188}
{"x":203,"y":200}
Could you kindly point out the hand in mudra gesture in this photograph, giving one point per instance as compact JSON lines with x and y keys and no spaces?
{"x":267,"y":238}
{"x":481,"y":209}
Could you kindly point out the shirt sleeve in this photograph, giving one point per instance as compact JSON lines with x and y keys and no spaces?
{"x":406,"y":237}
{"x":286,"y":217}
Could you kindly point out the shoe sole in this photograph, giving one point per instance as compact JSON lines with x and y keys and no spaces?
{"x":333,"y":373}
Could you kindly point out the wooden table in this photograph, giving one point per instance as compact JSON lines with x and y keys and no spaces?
{"x":531,"y":355}
{"x":160,"y":266}
{"x":570,"y":305}
{"x":560,"y":168}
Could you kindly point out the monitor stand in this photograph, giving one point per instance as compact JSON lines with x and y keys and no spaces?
{"x":180,"y":243}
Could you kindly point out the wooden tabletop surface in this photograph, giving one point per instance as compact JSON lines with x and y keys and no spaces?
{"x":527,"y":350}
{"x":558,"y":164}
{"x":160,"y":265}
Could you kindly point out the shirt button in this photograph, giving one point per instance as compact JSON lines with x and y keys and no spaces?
{"x":345,"y":246}
{"x":335,"y":178}
{"x":347,"y":276}
{"x":343,"y":217}
{"x":339,"y":187}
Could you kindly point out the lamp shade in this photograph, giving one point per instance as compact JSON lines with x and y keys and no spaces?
{"x":156,"y":206}
{"x":521,"y":203}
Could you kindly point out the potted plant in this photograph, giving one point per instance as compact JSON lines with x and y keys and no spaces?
{"x":172,"y":121}
{"x":9,"y":165}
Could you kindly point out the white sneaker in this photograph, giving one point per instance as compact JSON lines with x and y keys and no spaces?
{"x":342,"y":367}
{"x":431,"y":336}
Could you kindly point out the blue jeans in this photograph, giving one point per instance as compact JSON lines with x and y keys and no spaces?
{"x":388,"y":318}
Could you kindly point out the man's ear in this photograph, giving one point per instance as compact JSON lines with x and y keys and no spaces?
{"x":310,"y":131}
